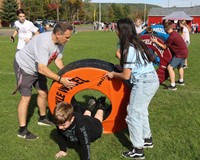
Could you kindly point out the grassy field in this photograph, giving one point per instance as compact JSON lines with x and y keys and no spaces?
{"x":174,"y":115}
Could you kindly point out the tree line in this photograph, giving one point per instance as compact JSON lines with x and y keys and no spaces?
{"x":70,"y":10}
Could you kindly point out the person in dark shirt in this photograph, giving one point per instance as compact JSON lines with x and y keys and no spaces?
{"x":78,"y":128}
{"x":179,"y":51}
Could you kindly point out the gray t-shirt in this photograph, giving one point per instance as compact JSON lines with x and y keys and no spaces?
{"x":41,"y":49}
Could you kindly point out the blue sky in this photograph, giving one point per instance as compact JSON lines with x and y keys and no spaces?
{"x":163,"y":3}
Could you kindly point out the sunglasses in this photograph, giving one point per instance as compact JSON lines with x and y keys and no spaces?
{"x":21,"y":16}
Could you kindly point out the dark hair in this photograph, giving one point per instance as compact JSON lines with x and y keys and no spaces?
{"x":62,"y":27}
{"x":149,"y":29}
{"x":128,"y":37}
{"x":19,"y":11}
{"x":63,"y":112}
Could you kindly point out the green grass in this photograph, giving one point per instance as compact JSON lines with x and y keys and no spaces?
{"x":174,"y":116}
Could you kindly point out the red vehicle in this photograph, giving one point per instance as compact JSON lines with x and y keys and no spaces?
{"x":76,"y":22}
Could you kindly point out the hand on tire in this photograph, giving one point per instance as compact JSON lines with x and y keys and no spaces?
{"x":110,"y":75}
{"x":67,"y":83}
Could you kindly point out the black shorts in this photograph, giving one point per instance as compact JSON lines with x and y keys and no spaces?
{"x":98,"y":127}
{"x":25,"y":81}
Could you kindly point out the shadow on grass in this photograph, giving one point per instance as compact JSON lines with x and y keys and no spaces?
{"x":123,"y":137}
{"x":32,"y":106}
{"x":165,"y":86}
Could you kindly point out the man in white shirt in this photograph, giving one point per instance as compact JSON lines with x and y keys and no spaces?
{"x":24,"y":28}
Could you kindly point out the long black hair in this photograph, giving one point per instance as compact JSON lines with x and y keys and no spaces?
{"x":128,"y":36}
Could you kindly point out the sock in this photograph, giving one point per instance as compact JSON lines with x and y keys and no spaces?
{"x":42,"y":117}
{"x":172,"y":84}
{"x":180,"y":80}
{"x":22,"y":129}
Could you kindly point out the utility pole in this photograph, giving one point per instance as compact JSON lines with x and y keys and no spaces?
{"x":77,"y":15}
{"x":100,"y":16}
{"x":57,"y":9}
{"x":145,"y":8}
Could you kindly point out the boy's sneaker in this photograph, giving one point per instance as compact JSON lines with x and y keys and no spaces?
{"x":173,"y":88}
{"x":27,"y":135}
{"x":101,"y":103}
{"x":184,"y":66}
{"x":91,"y":104}
{"x":148,"y":143}
{"x":134,"y":154}
{"x":45,"y":122}
{"x":180,"y":83}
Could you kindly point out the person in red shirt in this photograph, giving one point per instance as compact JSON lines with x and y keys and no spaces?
{"x":179,"y":51}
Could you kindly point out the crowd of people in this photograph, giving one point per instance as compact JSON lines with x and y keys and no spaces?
{"x":136,"y":64}
{"x":105,"y":26}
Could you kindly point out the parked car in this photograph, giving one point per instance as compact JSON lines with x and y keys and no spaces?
{"x":76,"y":22}
{"x":38,"y":21}
{"x":51,"y":23}
{"x":45,"y":22}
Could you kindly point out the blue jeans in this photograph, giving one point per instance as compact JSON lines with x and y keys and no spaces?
{"x":143,"y":90}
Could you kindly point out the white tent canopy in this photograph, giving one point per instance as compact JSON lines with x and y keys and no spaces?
{"x":178,"y":16}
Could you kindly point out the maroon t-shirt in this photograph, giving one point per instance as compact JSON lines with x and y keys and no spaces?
{"x":177,"y":45}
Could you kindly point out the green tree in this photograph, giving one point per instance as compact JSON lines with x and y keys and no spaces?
{"x":75,"y":7}
{"x":90,"y":11}
{"x":126,"y":9}
{"x":8,"y":12}
{"x":111,"y":14}
{"x":34,"y":9}
{"x":54,"y":8}
{"x":118,"y":11}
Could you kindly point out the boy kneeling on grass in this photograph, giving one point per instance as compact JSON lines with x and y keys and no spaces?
{"x":79,"y":128}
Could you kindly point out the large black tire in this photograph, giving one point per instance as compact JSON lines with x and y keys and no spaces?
{"x":93,"y":63}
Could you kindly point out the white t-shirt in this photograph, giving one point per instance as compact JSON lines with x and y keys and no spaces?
{"x":40,"y":50}
{"x":25,"y":30}
{"x":139,"y":29}
{"x":186,"y":35}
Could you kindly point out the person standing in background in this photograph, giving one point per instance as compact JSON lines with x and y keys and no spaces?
{"x":185,"y":33}
{"x":24,"y":29}
{"x":138,"y":26}
{"x":179,"y":51}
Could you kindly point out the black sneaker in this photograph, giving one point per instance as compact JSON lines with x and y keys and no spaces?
{"x":180,"y":83}
{"x":101,"y":103}
{"x":148,"y":143}
{"x":91,"y":104}
{"x":45,"y":122}
{"x":173,"y":88}
{"x":27,"y":135}
{"x":134,"y":154}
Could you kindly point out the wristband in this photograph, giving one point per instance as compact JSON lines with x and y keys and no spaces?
{"x":59,"y":78}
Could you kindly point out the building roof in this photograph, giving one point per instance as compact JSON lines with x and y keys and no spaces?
{"x":179,"y":15}
{"x":191,"y":11}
